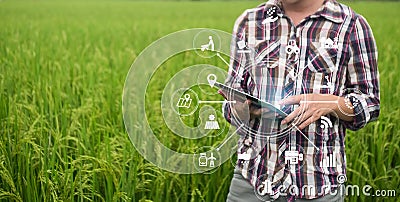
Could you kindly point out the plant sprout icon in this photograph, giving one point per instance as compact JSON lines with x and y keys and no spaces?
{"x":272,"y":15}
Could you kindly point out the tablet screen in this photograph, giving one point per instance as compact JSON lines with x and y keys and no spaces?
{"x":242,"y":97}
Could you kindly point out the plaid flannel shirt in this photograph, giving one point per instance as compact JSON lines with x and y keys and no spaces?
{"x":336,"y":52}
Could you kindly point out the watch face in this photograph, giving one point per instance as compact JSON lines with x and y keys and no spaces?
{"x":351,"y":101}
{"x":352,"y":98}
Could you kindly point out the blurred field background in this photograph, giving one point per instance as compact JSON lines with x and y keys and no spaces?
{"x":62,"y":70}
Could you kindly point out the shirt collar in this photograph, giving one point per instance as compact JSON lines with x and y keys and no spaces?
{"x":330,"y":10}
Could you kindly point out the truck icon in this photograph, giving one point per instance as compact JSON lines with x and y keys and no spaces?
{"x":293,"y":157}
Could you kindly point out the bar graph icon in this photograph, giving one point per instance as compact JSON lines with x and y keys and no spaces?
{"x":329,"y":161}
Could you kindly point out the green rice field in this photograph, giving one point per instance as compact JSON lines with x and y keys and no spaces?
{"x":62,"y":70}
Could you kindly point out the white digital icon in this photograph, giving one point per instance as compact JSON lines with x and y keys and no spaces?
{"x":245,"y":156}
{"x":209,"y":46}
{"x":341,"y":178}
{"x":205,"y":161}
{"x":329,"y":160}
{"x":329,"y":85}
{"x":242,"y":45}
{"x":212,"y":159}
{"x":293,"y":157}
{"x":184,"y":102}
{"x":326,"y":123}
{"x":211,"y":124}
{"x":328,"y":43}
{"x":272,"y":15}
{"x":292,"y":48}
{"x":265,"y":188}
{"x":212,"y":79}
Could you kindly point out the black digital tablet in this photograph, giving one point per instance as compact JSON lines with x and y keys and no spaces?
{"x":242,"y":97}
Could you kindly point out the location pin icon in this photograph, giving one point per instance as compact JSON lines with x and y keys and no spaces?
{"x":212,"y":79}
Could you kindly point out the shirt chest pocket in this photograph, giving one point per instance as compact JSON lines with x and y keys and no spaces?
{"x":322,"y":57}
{"x":321,"y":67}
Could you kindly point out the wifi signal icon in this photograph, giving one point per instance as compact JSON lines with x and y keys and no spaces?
{"x":326,"y":123}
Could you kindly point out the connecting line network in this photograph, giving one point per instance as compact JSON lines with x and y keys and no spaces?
{"x":213,"y":83}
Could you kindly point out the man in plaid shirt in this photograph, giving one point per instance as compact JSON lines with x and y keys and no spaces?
{"x":317,"y":61}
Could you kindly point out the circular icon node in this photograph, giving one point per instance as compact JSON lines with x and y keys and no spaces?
{"x":212,"y":122}
{"x":207,"y":160}
{"x":329,"y":160}
{"x":185,"y":101}
{"x":207,"y":78}
{"x":207,"y":43}
{"x":293,"y":157}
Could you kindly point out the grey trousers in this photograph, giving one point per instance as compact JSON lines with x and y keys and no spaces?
{"x":241,"y":190}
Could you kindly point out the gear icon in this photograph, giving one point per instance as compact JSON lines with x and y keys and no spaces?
{"x":211,"y":117}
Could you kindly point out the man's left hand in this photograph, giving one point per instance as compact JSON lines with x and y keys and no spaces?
{"x":311,"y":108}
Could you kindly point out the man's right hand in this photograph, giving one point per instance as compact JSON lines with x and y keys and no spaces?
{"x":245,"y":111}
